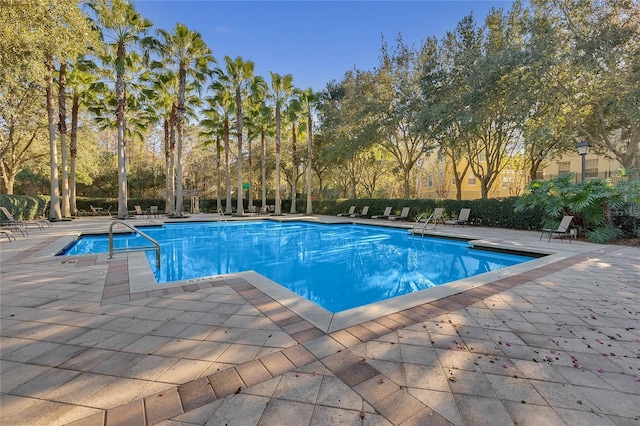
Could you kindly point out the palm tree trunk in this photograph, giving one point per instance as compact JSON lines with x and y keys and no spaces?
{"x":227,"y":148}
{"x":54,"y":210}
{"x":294,"y":167}
{"x":120,"y":118}
{"x":73,"y":152}
{"x":250,"y":196}
{"x":278,"y":209}
{"x":240,"y":201}
{"x":182,"y":78}
{"x":62,"y":127}
{"x":264,"y":169}
{"x":309,"y":162}
{"x":218,"y":177}
{"x":167,"y":165}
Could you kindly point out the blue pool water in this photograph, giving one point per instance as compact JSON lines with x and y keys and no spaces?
{"x":338,"y":267}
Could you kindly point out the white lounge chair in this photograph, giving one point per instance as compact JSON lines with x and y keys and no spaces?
{"x":351,"y":211}
{"x":7,"y":233}
{"x":434,"y":218}
{"x":365,"y":212}
{"x":404,"y":214}
{"x":463,"y":218}
{"x":562,"y":230}
{"x":386,"y":214}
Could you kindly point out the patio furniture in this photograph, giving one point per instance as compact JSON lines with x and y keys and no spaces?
{"x":562,"y":230}
{"x":386,"y":214}
{"x":8,"y":234}
{"x":363,"y":213}
{"x":25,"y":223}
{"x":463,"y":218}
{"x":404,"y":214}
{"x":351,"y":211}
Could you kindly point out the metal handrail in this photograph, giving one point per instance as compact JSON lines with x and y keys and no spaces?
{"x":112,"y":250}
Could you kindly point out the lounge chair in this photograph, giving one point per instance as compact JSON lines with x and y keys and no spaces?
{"x":562,"y":230}
{"x":365,"y":212}
{"x":386,"y":214}
{"x":351,"y":211}
{"x":8,"y":234}
{"x":404,"y":214}
{"x":139,"y":212}
{"x":97,"y":211}
{"x":25,"y":223}
{"x":153,"y":211}
{"x":463,"y":218}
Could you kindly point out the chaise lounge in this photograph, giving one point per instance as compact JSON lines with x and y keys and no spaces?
{"x":562,"y":230}
{"x":463,"y":218}
{"x":351,"y":211}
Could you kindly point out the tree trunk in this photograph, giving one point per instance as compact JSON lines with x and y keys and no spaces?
{"x":62,"y":128}
{"x":309,"y":163}
{"x":73,"y":153}
{"x":218,"y":177}
{"x":406,"y":184}
{"x":278,"y":209}
{"x":294,"y":169}
{"x":167,"y":166}
{"x":227,"y":148}
{"x":263,"y":146}
{"x":120,"y":118}
{"x":182,"y":78}
{"x":250,"y":191}
{"x":239,"y":198}
{"x":54,"y":211}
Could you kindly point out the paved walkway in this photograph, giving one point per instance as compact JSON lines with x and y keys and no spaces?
{"x":555,"y":345}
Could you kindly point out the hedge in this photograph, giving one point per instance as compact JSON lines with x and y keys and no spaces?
{"x":24,"y":207}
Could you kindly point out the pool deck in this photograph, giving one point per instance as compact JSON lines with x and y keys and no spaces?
{"x":85,"y":341}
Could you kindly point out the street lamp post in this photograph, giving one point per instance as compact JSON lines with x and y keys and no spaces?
{"x":583,"y":149}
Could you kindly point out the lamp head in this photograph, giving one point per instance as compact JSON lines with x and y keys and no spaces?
{"x":582,"y":147}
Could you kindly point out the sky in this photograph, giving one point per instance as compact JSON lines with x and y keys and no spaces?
{"x":315,"y":41}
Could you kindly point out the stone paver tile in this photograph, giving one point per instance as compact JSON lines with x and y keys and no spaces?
{"x":442,"y":403}
{"x":383,"y":350}
{"x":279,"y":339}
{"x":119,"y":364}
{"x":334,"y":393}
{"x":427,"y":377}
{"x":583,"y":377}
{"x":299,"y":355}
{"x":127,"y":414}
{"x":376,"y":389}
{"x":92,"y":337}
{"x":198,"y":416}
{"x":514,"y":389}
{"x":87,"y":359}
{"x":116,"y":393}
{"x":11,"y":405}
{"x":80,"y":388}
{"x":150,"y":367}
{"x":170,"y":329}
{"x":145,"y":344}
{"x":225,"y":383}
{"x":563,"y":395}
{"x":457,"y":359}
{"x":277,"y":364}
{"x":610,"y":402}
{"x":399,"y":407}
{"x":392,"y":369}
{"x":228,"y":413}
{"x":356,"y":373}
{"x":19,"y":375}
{"x":224,"y":335}
{"x":45,"y":384}
{"x":162,"y":406}
{"x":298,"y":387}
{"x":33,"y":350}
{"x":82,"y":416}
{"x":196,"y":393}
{"x":254,"y":337}
{"x":586,"y":418}
{"x":253,"y":372}
{"x":207,"y":351}
{"x":286,"y":412}
{"x":40,"y":413}
{"x":118,"y":341}
{"x":323,"y":346}
{"x":238,"y":354}
{"x":345,"y":338}
{"x":264,"y":389}
{"x":538,"y":371}
{"x":195,"y":332}
{"x":470,"y":383}
{"x":427,"y":417}
{"x":184,"y":370}
{"x":418,"y":355}
{"x":323,"y":416}
{"x":532,"y":415}
{"x":480,"y":411}
{"x":176,"y":347}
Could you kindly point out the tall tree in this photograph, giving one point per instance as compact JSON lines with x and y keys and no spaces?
{"x":292,"y":115}
{"x":307,"y":101}
{"x":190,"y":57}
{"x":223,"y":103}
{"x":214,"y":133}
{"x":121,"y":28}
{"x":596,"y":69}
{"x":281,"y":90}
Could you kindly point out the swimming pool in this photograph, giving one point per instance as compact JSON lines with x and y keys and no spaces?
{"x":338,"y":267}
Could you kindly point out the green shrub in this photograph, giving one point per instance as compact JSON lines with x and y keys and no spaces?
{"x":24,"y":207}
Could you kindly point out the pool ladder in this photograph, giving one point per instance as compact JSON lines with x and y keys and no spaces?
{"x":112,"y":250}
{"x":424,"y":227}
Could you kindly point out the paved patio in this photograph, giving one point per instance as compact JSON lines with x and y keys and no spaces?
{"x":558,"y":344}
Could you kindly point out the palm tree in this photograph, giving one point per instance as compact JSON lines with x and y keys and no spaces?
{"x":80,"y":79}
{"x":307,"y":100}
{"x":222,"y":102}
{"x":292,"y":113}
{"x":281,"y":87}
{"x":185,"y":50}
{"x":121,"y":27}
{"x":263,"y":122}
{"x":214,"y":132}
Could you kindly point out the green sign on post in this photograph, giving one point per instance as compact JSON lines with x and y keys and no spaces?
{"x":245,"y":185}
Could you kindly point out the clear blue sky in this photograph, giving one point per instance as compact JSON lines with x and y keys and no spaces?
{"x":315,"y":41}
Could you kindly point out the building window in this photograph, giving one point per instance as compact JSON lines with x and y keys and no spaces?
{"x":591,"y":168}
{"x":540,"y":175}
{"x":430,"y":180}
{"x":481,"y":158}
{"x":441,"y":176}
{"x":472,"y":179}
{"x":508,"y":181}
{"x":564,"y":167}
{"x":440,"y":158}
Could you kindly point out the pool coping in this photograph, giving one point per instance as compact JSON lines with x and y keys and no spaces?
{"x":141,"y":279}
